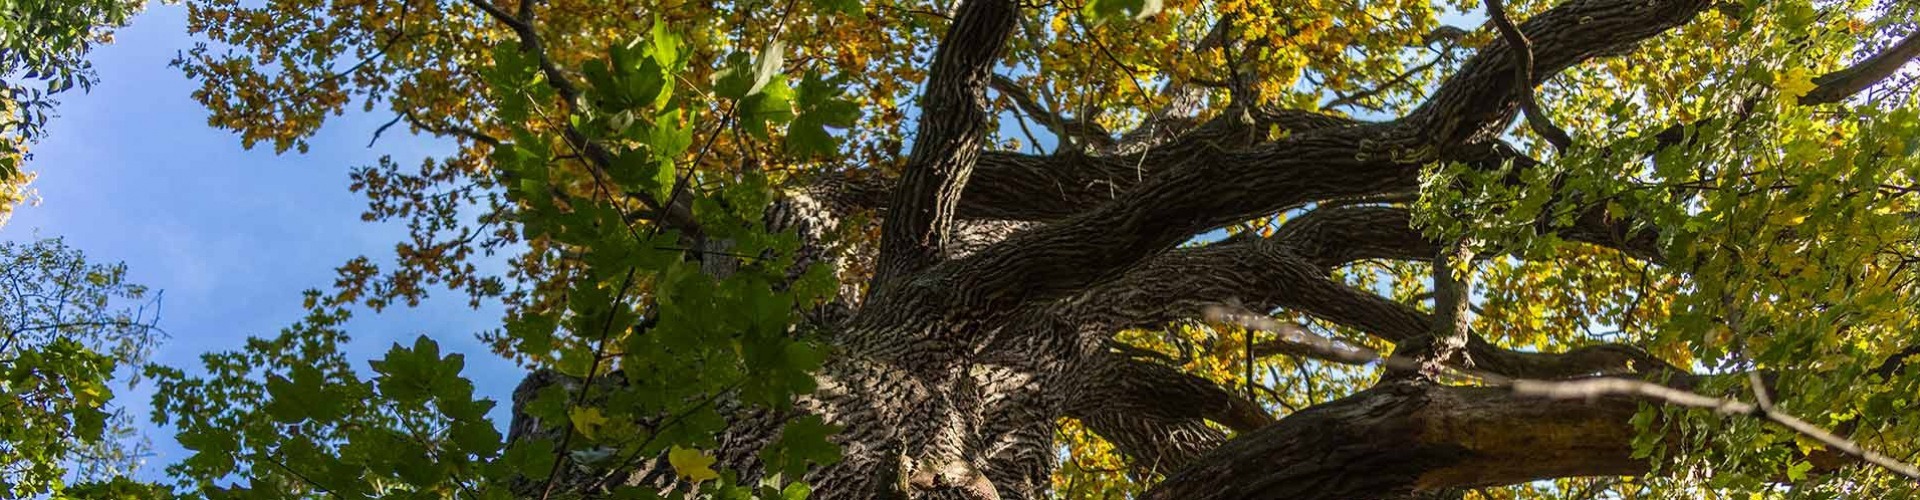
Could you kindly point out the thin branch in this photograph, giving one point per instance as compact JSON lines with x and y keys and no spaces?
{"x":673,"y":212}
{"x":1601,"y":387}
{"x":1523,"y":78}
{"x":1086,"y":132}
{"x":301,"y":477}
{"x":1383,"y":87}
{"x":586,"y":385}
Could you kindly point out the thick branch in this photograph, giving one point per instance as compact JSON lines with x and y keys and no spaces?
{"x":1017,"y":186}
{"x":1838,"y":85}
{"x":1290,"y":271}
{"x":1399,"y":438}
{"x":1142,"y":387}
{"x":1603,"y":387}
{"x":953,"y":128}
{"x":1482,"y":97}
{"x":1333,"y":237}
{"x":1155,"y":413}
{"x":1447,"y":341}
{"x":1262,"y":274}
{"x":1220,"y":187}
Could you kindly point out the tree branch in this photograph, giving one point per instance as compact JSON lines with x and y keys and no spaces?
{"x":676,"y":212}
{"x":1523,"y":78}
{"x":1155,"y":414}
{"x":1601,"y":387}
{"x":1061,"y":258}
{"x":1481,"y":98}
{"x":1399,"y":438}
{"x":1836,"y":86}
{"x":1085,"y":132}
{"x":1015,"y":186}
{"x":952,"y":130}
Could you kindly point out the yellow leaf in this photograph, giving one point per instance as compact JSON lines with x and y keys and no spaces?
{"x":587,"y":420}
{"x":1793,"y":83}
{"x":1807,"y":444}
{"x":692,"y":464}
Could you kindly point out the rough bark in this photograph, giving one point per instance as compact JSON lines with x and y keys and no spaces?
{"x":1404,"y":437}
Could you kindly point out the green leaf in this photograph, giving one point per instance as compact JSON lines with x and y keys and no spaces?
{"x":664,"y":46}
{"x":587,"y":420}
{"x":735,"y":77}
{"x":767,"y":65}
{"x":532,"y":458}
{"x":771,"y":106}
{"x":1102,"y":11}
{"x":475,"y":437}
{"x":802,"y":442}
{"x":844,"y":7}
{"x":1798,"y":471}
{"x":671,"y":135}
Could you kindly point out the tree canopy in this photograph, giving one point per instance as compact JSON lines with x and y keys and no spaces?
{"x":68,"y":328}
{"x":989,"y":249}
{"x":43,"y":48}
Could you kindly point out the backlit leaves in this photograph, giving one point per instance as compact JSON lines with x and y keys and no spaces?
{"x":68,"y":329}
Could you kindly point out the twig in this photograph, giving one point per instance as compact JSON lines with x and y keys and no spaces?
{"x":1599,"y":387}
{"x":586,"y":384}
{"x":302,"y":477}
{"x":1523,"y":78}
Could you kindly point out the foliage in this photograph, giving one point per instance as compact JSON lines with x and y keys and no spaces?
{"x":68,"y":329}
{"x":43,"y":48}
{"x":291,"y":416}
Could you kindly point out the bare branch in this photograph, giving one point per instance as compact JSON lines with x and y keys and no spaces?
{"x":1602,"y":387}
{"x":1085,"y":132}
{"x":1523,"y":78}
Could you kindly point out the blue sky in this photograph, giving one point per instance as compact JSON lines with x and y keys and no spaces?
{"x":131,"y":172}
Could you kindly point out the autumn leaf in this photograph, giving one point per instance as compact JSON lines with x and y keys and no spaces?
{"x":587,"y":420}
{"x":692,"y":464}
{"x":1794,"y":82}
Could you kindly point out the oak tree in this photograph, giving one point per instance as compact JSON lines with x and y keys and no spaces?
{"x":995,"y":249}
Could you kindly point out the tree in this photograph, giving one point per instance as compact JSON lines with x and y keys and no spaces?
{"x":43,"y":48}
{"x":723,"y":260}
{"x":66,"y":332}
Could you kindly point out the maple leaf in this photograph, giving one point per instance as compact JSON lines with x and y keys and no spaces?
{"x":693,"y":464}
{"x":1794,"y":83}
{"x":587,"y":420}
